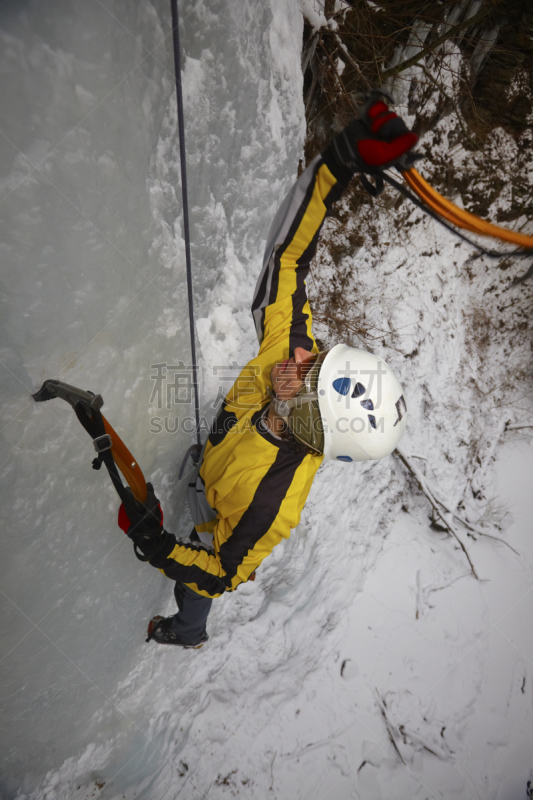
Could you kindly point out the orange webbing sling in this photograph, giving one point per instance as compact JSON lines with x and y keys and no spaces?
{"x":463,"y":219}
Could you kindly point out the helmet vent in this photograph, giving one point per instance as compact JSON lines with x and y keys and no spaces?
{"x":359,"y":390}
{"x":401,"y":408}
{"x":342,"y":385}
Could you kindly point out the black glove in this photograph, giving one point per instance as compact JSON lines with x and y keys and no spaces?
{"x":377,"y":139}
{"x":147,"y":533}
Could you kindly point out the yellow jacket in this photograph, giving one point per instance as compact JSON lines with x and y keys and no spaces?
{"x":251,"y":486}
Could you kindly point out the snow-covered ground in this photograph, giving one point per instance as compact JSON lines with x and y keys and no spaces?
{"x":366,"y":661}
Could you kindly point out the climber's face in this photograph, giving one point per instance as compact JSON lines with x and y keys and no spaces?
{"x":288,"y":376}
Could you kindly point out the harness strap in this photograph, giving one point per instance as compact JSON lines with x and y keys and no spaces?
{"x":373,"y":191}
{"x":96,"y":429}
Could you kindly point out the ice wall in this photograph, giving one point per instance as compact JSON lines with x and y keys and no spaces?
{"x":93,"y":290}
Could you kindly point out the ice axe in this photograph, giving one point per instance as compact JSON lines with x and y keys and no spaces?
{"x":109,"y":447}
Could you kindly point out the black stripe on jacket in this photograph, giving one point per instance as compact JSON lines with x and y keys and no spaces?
{"x":223,"y":423}
{"x":274,"y":266}
{"x":291,"y":233}
{"x":298,"y":336}
{"x":262,"y":511}
{"x":188,"y":574}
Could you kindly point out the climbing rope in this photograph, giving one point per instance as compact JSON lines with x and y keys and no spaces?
{"x":195,"y":450}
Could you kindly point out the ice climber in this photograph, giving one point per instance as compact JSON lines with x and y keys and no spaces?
{"x":290,"y":407}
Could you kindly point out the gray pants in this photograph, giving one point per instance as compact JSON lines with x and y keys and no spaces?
{"x":189,"y":623}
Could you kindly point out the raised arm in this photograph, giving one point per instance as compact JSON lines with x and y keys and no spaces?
{"x":376,"y":140}
{"x":280,"y":306}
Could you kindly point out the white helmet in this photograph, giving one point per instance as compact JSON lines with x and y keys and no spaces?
{"x":351,"y":408}
{"x":362,"y":405}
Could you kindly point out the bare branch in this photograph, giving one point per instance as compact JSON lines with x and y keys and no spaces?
{"x":337,"y":76}
{"x":309,"y":52}
{"x":450,"y":33}
{"x":469,"y":525}
{"x":351,"y":61}
{"x":272,"y":772}
{"x":382,"y":707}
{"x":434,"y":502}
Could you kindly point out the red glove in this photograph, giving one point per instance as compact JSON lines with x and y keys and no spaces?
{"x":123,"y":519}
{"x":391,"y":136}
{"x":152,"y":502}
{"x":376,"y":139}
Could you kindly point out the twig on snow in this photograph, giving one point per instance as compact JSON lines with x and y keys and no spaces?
{"x":496,"y":539}
{"x":421,"y":591}
{"x":382,"y":707}
{"x":272,"y":772}
{"x":328,"y":741}
{"x":469,"y":525}
{"x":435,"y":503}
